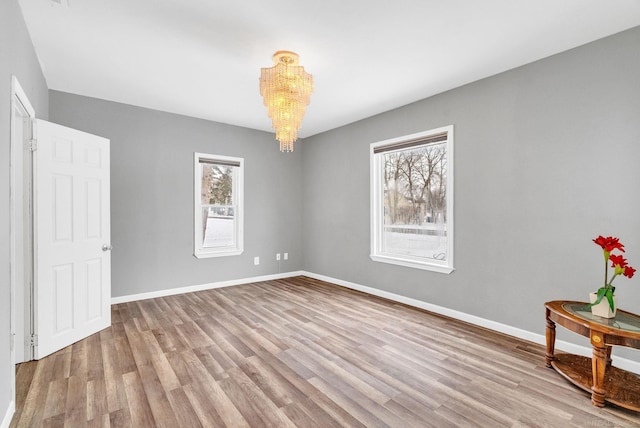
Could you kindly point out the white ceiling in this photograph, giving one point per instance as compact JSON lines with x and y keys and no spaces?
{"x":202,"y":58}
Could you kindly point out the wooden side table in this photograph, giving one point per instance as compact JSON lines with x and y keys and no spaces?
{"x":596,"y":374}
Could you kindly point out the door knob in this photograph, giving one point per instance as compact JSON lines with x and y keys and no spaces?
{"x":107,"y":247}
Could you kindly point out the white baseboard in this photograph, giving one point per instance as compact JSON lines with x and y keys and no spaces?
{"x":6,"y":421}
{"x":623,"y":363}
{"x":201,"y":287}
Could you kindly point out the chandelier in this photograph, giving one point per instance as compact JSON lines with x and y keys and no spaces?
{"x":286,"y":89}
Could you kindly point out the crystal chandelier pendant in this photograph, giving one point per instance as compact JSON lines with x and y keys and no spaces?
{"x":286,"y":89}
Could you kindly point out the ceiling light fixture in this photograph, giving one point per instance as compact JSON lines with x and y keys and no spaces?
{"x":286,"y":89}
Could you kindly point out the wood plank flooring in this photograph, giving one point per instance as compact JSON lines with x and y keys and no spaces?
{"x":298,"y":352}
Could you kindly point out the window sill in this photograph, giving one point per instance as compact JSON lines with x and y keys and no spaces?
{"x":440,"y":268}
{"x":206,"y":255}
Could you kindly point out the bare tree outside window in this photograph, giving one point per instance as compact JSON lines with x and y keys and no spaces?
{"x":415,"y":211}
{"x":217,"y":184}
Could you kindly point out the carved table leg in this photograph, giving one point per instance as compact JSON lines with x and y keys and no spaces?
{"x":551,"y":339}
{"x":598,"y":367}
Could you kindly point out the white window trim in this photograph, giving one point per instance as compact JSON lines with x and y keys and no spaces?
{"x":377,"y":207}
{"x":238,"y":190}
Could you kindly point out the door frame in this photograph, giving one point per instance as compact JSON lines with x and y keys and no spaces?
{"x":19,"y":301}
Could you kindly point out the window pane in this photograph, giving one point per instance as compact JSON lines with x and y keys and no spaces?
{"x":415,"y":202}
{"x":217,"y":211}
{"x":217,"y":184}
{"x":218,"y":227}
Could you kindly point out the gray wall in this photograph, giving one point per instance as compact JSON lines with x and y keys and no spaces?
{"x":546,"y":159}
{"x":152,"y":194}
{"x":18,"y":58}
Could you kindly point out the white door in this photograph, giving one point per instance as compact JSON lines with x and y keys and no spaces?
{"x":72,"y":235}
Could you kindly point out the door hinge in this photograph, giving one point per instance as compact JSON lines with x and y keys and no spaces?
{"x":33,"y":340}
{"x":32,"y":145}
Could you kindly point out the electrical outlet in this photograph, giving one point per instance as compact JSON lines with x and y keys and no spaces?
{"x":286,"y":256}
{"x":278,"y":256}
{"x":256,"y":261}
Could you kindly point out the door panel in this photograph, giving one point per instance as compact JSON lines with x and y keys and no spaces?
{"x":72,"y":224}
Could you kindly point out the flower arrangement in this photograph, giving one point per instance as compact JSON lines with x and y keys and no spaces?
{"x":618,"y":263}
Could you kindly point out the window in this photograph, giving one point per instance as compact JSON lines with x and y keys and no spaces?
{"x":218,"y":196}
{"x":412,"y":200}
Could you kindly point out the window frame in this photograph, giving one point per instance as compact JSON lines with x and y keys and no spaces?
{"x":377,"y":201}
{"x":199,"y":251}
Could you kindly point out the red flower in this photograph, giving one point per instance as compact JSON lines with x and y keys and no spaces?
{"x":609,"y":243}
{"x":617,"y":261}
{"x":629,"y":271}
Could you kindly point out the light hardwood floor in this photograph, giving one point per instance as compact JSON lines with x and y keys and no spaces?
{"x":298,"y":352}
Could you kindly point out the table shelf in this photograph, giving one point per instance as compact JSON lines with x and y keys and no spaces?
{"x":622,"y":387}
